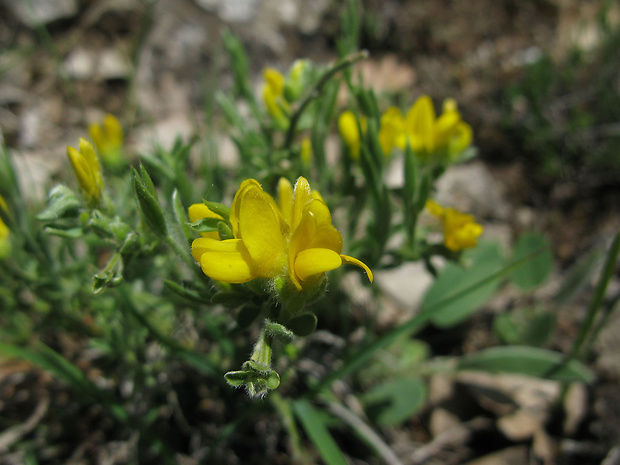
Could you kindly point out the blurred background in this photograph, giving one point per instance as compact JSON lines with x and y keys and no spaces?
{"x":539,"y":81}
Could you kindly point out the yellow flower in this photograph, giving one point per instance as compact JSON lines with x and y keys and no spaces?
{"x":460,"y":231}
{"x":273,"y":95}
{"x":350,"y":132}
{"x":424,"y":131}
{"x":392,"y":130}
{"x":108,"y":139}
{"x":87,"y":170}
{"x":293,"y":239}
{"x":199,"y":211}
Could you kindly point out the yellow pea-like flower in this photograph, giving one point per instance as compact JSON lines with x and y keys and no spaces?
{"x":425,"y":133}
{"x":350,"y":132}
{"x":460,"y":230}
{"x":85,"y":163}
{"x":273,"y":97}
{"x":108,"y":139}
{"x":292,"y":239}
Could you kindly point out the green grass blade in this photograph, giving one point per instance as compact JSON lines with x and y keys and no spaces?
{"x":596,"y":302}
{"x":316,"y":429}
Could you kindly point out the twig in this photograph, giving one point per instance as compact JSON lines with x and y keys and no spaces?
{"x":15,"y":433}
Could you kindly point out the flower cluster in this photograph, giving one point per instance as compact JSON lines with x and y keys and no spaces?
{"x":425,"y":133}
{"x":460,"y":230}
{"x":279,"y":92}
{"x":292,"y":241}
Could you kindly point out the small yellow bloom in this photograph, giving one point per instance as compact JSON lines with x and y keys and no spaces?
{"x":108,"y":139}
{"x":425,"y":133}
{"x":86,"y":166}
{"x":460,"y":230}
{"x":273,"y":95}
{"x":292,"y":239}
{"x":350,"y":132}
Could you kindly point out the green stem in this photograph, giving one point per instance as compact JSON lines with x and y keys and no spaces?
{"x":316,"y":91}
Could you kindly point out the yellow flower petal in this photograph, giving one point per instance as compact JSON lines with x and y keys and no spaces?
{"x":460,"y":140}
{"x":228,"y":261}
{"x":236,"y":204}
{"x":313,"y":261}
{"x":391,"y":127}
{"x":434,"y":208}
{"x":349,"y":131}
{"x":261,"y":232}
{"x":359,"y":263}
{"x":420,"y":124}
{"x":302,"y":196}
{"x":285,"y":199}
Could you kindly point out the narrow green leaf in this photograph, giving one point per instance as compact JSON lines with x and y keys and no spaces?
{"x":529,"y":361}
{"x":314,"y":425}
{"x":596,"y":302}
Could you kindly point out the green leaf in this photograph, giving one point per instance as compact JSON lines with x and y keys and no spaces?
{"x":72,"y":233}
{"x":302,"y":325}
{"x":204,"y":225}
{"x":395,"y":401}
{"x":218,"y":209}
{"x":534,"y":273}
{"x":147,"y":201}
{"x":315,"y":427}
{"x":485,"y":259}
{"x":529,"y":361}
{"x":62,"y":203}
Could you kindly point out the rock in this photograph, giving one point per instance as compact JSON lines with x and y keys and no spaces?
{"x":519,"y":426}
{"x":442,"y":420}
{"x":472,"y":189}
{"x":33,"y":13}
{"x":80,"y":64}
{"x":237,"y":11}
{"x":405,"y":284}
{"x":517,"y":455}
{"x":113,"y":65}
